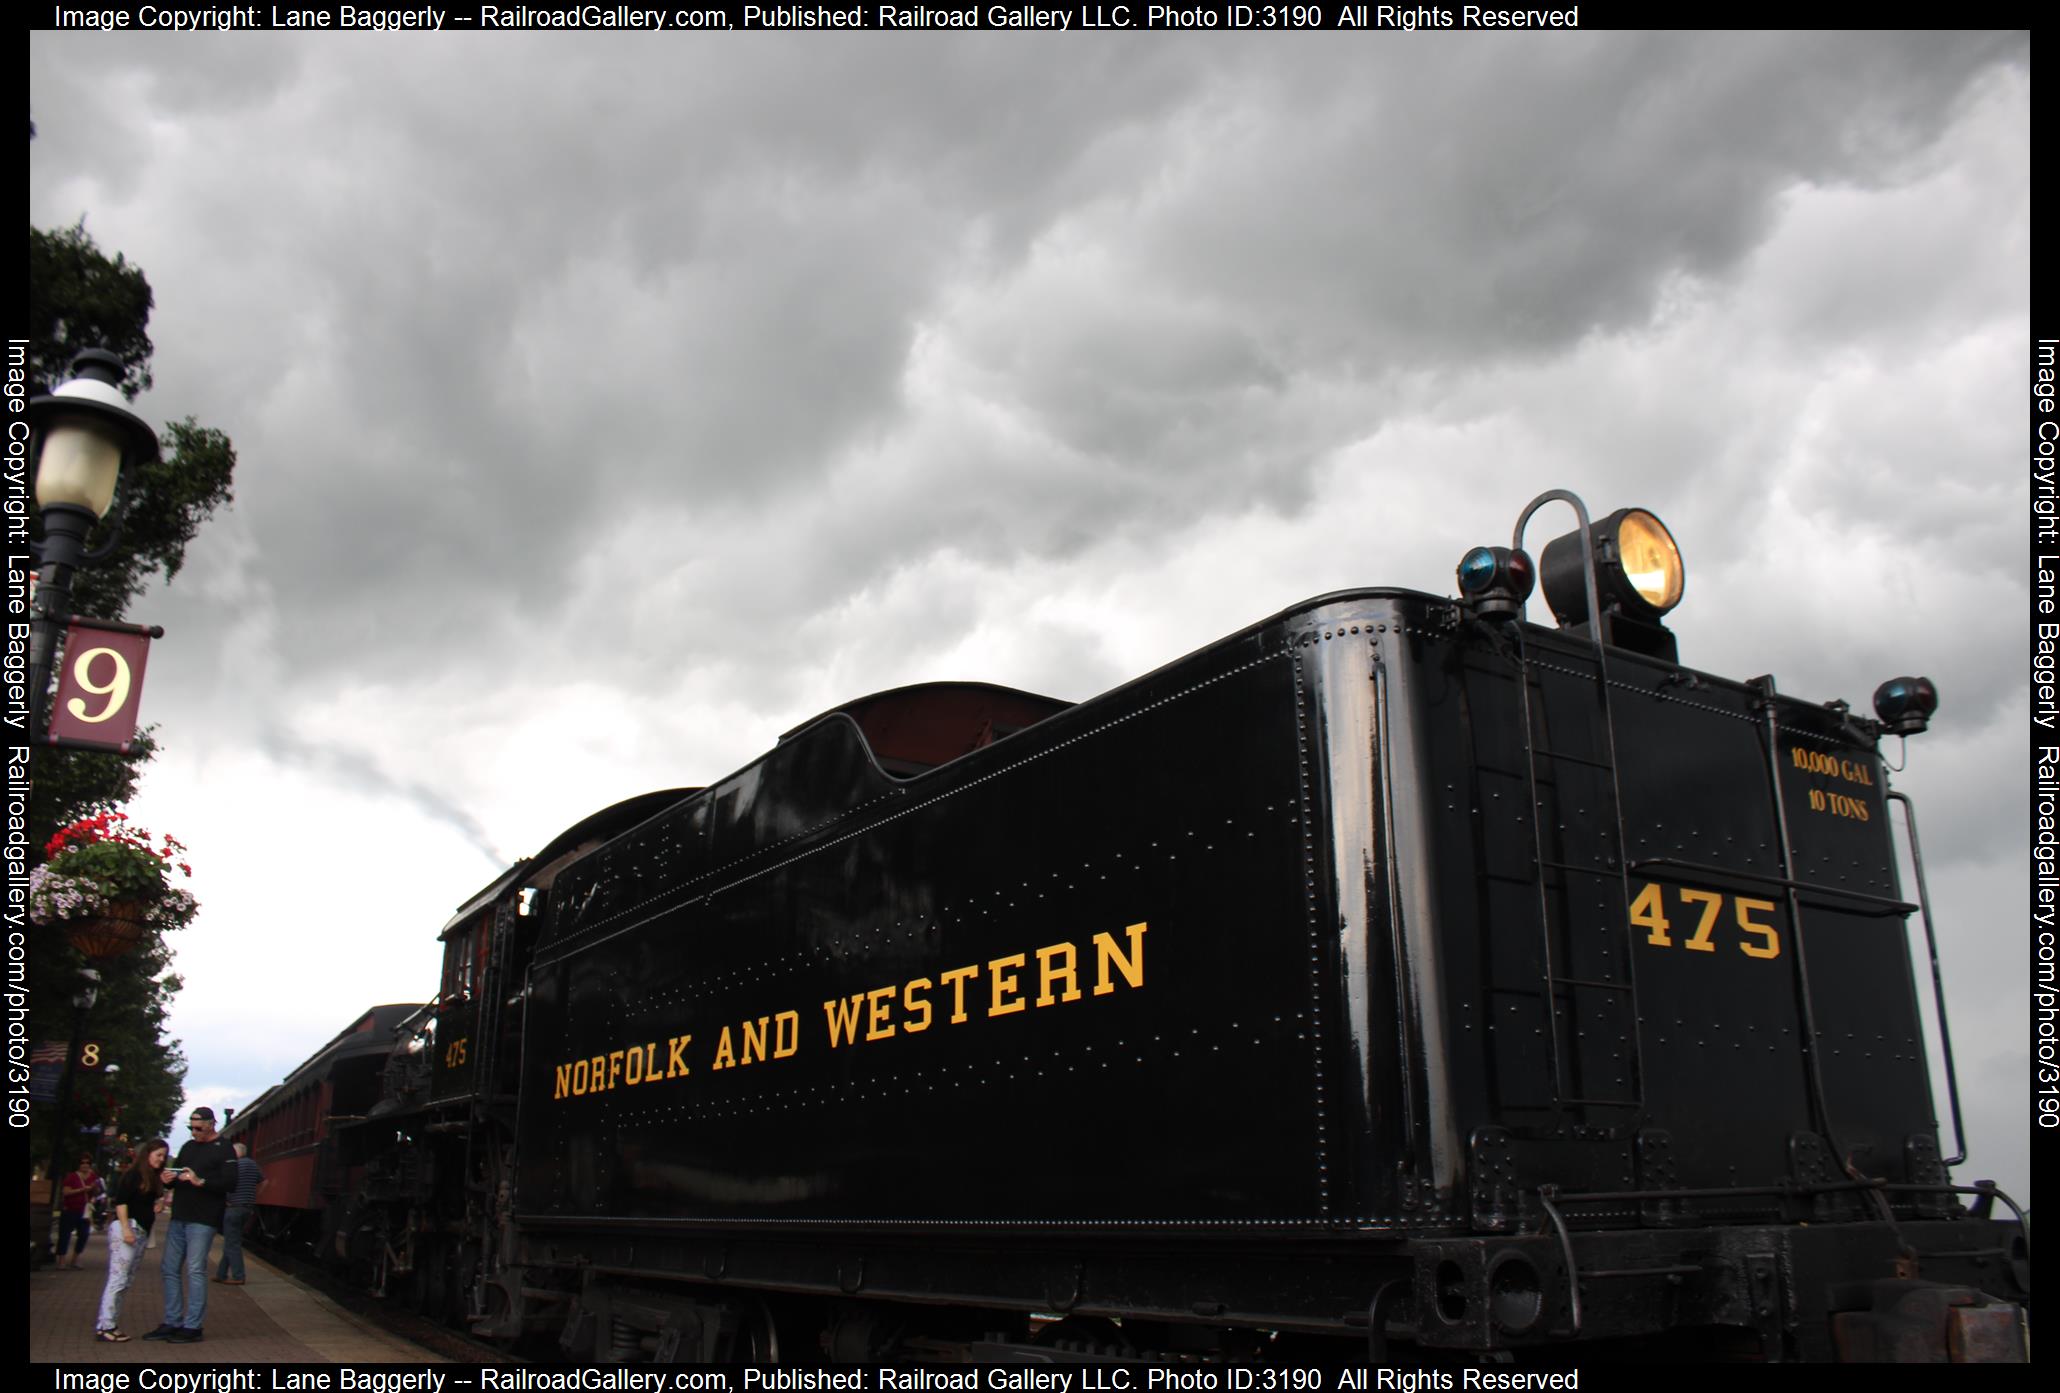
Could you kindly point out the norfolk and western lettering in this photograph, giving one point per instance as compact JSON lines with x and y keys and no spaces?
{"x":1053,"y":975}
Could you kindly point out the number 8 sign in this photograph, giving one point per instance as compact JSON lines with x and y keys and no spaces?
{"x":100,"y":685}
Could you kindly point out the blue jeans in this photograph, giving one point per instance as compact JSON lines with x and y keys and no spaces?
{"x":232,"y":1241}
{"x":185,"y":1270}
{"x":69,"y":1224}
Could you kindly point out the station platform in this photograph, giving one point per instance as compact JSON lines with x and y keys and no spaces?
{"x":271,"y":1320}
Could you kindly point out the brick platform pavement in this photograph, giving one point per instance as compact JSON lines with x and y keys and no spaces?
{"x":272,"y":1320}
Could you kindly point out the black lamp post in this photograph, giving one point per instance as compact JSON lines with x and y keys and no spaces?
{"x":84,"y":434}
{"x":101,"y":1147}
{"x":82,"y":1006}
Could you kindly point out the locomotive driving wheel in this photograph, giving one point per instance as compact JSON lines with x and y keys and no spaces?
{"x":758,"y":1334}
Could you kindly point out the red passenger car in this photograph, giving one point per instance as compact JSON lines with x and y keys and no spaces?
{"x":288,"y":1127}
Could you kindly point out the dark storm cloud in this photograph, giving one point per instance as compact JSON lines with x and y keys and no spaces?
{"x":540,"y":326}
{"x":1401,"y":215}
{"x":543,"y":284}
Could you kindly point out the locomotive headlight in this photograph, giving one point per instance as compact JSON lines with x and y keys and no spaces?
{"x":1638,"y":568}
{"x":1496,"y":580}
{"x":1649,"y":559}
{"x":1906,"y":704}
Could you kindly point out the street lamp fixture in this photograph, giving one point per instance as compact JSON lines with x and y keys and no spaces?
{"x":84,"y":434}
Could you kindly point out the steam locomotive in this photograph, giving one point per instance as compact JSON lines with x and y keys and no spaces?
{"x":1392,"y":978}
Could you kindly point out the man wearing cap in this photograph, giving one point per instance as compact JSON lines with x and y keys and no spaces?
{"x":200,"y":1180}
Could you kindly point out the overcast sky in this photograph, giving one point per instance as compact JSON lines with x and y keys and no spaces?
{"x":606,"y":406}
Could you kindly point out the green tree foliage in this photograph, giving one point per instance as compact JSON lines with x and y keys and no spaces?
{"x":127,"y":1022}
{"x":140,"y":1094}
{"x":78,"y":299}
{"x":81,"y":298}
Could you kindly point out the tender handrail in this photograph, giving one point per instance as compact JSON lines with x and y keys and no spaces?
{"x":1938,"y":984}
{"x":1561,"y":1091}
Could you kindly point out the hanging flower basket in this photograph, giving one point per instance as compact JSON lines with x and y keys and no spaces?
{"x":109,"y":884}
{"x":116,"y":929}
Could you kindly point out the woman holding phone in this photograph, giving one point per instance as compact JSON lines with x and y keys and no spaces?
{"x":137,"y":1198}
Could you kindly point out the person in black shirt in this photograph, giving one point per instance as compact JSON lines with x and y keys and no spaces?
{"x":136,"y":1195}
{"x":201,"y":1178}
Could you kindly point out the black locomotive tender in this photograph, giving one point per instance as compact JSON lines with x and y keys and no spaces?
{"x":1393,"y":974}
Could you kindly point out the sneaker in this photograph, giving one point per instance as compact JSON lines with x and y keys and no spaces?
{"x":185,"y":1337}
{"x":163,"y":1332}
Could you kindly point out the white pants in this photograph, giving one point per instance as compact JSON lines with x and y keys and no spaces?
{"x":121,"y":1265}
